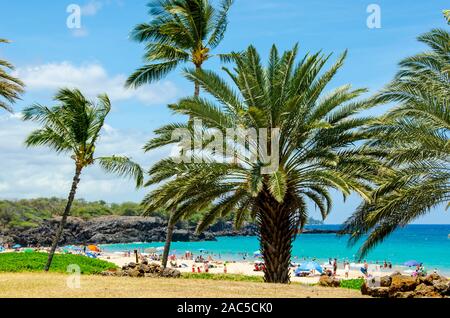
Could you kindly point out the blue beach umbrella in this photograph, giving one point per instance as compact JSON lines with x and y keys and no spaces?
{"x":17,"y":246}
{"x":257,"y":253}
{"x":307,"y":266}
{"x":411,"y":263}
{"x":2,"y":248}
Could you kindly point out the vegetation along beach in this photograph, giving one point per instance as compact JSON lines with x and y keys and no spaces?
{"x":258,"y":149}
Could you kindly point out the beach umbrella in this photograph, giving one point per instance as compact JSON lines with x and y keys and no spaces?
{"x":150,"y":250}
{"x":307,"y":266}
{"x":17,"y":246}
{"x":160,"y":248}
{"x":411,"y":263}
{"x":93,"y":248}
{"x":257,"y":254}
{"x":2,"y":248}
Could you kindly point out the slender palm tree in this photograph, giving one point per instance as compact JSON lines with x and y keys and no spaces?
{"x":414,"y":137}
{"x":180,"y":31}
{"x":74,"y":127}
{"x":10,"y":87}
{"x":316,"y":150}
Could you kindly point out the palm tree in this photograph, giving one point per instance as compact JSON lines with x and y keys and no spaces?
{"x":180,"y":31}
{"x":414,"y":137}
{"x":316,"y":149}
{"x":10,"y":87}
{"x":74,"y":127}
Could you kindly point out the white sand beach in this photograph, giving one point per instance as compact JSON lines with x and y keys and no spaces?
{"x":247,"y":268}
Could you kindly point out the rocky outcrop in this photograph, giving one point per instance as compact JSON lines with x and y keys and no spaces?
{"x":402,"y":286}
{"x":144,"y":269}
{"x":328,"y":281}
{"x":103,"y":230}
{"x":123,"y":229}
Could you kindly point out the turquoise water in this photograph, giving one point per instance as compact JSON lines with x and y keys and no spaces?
{"x":425,"y":243}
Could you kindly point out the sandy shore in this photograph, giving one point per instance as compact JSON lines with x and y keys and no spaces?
{"x":245,"y":268}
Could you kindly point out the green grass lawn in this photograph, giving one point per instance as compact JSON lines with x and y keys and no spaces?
{"x":352,"y":283}
{"x":35,"y":262}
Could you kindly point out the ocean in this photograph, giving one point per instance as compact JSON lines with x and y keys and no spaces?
{"x":429,"y":244}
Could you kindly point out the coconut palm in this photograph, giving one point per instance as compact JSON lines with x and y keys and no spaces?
{"x":316,"y":138}
{"x":74,"y":127}
{"x":10,"y":87}
{"x":415,"y":138}
{"x":180,"y":31}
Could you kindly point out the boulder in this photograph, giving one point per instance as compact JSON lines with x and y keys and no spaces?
{"x":172,"y":273}
{"x":423,"y":290}
{"x":385,"y":281}
{"x":402,"y":295}
{"x":442,"y":286}
{"x":328,"y":281}
{"x":365,"y":290}
{"x":379,"y":292}
{"x":429,"y":279}
{"x":144,"y":270}
{"x":402,"y":283}
{"x":135,"y":273}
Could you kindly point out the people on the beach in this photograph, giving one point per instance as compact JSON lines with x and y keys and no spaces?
{"x":365,"y":269}
{"x":335,"y":266}
{"x":346,"y":268}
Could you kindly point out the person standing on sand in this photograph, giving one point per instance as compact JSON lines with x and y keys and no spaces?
{"x":346,"y":268}
{"x":335,"y":267}
{"x":365,"y":269}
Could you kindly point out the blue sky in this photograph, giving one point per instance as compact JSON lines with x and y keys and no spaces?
{"x":98,"y":58}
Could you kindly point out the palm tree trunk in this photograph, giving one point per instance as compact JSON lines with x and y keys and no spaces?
{"x":276,"y":234}
{"x":76,"y":180}
{"x":170,"y":228}
{"x":197,"y":85}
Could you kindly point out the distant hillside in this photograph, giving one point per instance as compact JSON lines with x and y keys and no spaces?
{"x":31,"y":213}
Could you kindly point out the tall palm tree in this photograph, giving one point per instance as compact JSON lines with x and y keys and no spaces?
{"x":316,"y":149}
{"x":10,"y":87}
{"x":180,"y":31}
{"x":74,"y":127}
{"x":414,"y":137}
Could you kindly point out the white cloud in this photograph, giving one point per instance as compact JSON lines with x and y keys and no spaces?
{"x":91,"y":8}
{"x":80,"y":32}
{"x":38,"y":172}
{"x":92,"y":79}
